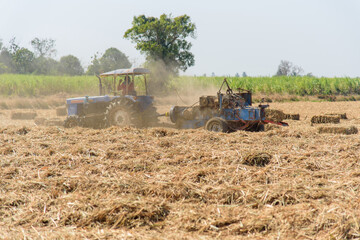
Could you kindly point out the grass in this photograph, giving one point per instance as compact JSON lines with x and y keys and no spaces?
{"x":300,"y":86}
{"x":35,"y":85}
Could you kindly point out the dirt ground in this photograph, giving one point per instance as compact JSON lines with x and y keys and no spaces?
{"x":164,"y":183}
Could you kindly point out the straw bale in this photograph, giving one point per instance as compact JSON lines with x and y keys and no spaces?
{"x":274,"y":115}
{"x":23,"y":115}
{"x":53,"y":122}
{"x":338,"y":130}
{"x":340,"y":115}
{"x":49,"y":122}
{"x":325,"y":119}
{"x":292,"y":116}
{"x":39,"y":121}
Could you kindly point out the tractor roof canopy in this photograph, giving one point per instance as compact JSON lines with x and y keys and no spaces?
{"x":132,"y":71}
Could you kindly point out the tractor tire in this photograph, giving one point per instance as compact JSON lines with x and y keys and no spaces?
{"x":72,"y":121}
{"x":260,"y":128}
{"x":217,"y":124}
{"x":122,"y":113}
{"x":150,"y":117}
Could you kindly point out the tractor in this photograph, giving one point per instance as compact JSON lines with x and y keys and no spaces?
{"x":125,"y":106}
{"x":226,"y":112}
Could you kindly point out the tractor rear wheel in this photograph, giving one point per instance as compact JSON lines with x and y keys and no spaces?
{"x":217,"y":124}
{"x":150,"y":117}
{"x":122,"y":113}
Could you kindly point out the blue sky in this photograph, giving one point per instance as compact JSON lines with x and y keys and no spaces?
{"x":321,"y":36}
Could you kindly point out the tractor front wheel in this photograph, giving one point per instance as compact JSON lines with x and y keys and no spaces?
{"x":217,"y":124}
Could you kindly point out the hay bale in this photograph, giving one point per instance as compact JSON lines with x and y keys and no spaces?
{"x":340,"y":115}
{"x":292,"y":116}
{"x":274,"y":115}
{"x":327,"y":97}
{"x":61,"y":111}
{"x":325,"y":119}
{"x":23,"y":115}
{"x":39,"y":121}
{"x":259,"y":159}
{"x":338,"y":130}
{"x":54,"y":122}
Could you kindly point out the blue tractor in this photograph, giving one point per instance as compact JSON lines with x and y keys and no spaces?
{"x":225,"y":112}
{"x":118,"y":104}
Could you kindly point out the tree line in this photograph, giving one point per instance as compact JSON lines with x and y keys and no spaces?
{"x":41,"y":60}
{"x":162,"y":40}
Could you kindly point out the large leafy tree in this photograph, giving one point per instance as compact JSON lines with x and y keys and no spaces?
{"x":45,"y":66}
{"x":17,"y":59}
{"x":70,"y":65}
{"x":164,"y":39}
{"x":112,"y":59}
{"x":23,"y":60}
{"x":287,"y":68}
{"x":5,"y":59}
{"x":44,"y":50}
{"x":43,"y":47}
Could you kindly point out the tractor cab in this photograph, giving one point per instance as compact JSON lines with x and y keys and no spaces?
{"x":121,"y":82}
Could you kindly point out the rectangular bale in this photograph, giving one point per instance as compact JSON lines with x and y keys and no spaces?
{"x":325,"y":119}
{"x":23,"y":115}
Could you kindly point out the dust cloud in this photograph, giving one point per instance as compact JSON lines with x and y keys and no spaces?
{"x":161,"y":86}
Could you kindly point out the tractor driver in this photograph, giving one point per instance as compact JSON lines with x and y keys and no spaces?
{"x":130,"y":85}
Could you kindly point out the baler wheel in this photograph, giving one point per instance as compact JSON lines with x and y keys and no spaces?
{"x":217,"y":124}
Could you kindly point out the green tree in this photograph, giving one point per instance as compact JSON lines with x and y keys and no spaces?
{"x":23,"y":60}
{"x":13,"y":46}
{"x":17,"y":59}
{"x":43,"y":47}
{"x":164,"y":39}
{"x":287,"y":68}
{"x":95,"y":66}
{"x":112,"y":59}
{"x":70,"y":65}
{"x":5,"y":59}
{"x":45,"y":66}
